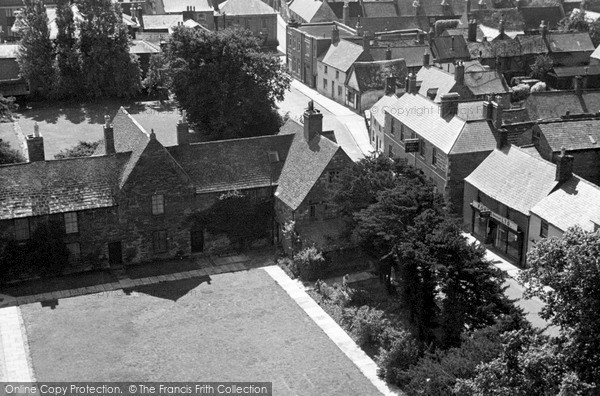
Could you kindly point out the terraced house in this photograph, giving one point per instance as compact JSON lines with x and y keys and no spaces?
{"x":132,"y":200}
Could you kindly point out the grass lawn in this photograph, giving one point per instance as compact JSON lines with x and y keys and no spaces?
{"x":230,"y":327}
{"x":63,"y":126}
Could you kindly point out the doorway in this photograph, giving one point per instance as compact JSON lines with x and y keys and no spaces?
{"x":115,"y":253}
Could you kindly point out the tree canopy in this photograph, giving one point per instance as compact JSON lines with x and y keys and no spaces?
{"x":9,"y":155}
{"x":82,"y":149}
{"x":228,"y":87}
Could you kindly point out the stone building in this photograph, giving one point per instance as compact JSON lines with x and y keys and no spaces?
{"x":132,"y":200}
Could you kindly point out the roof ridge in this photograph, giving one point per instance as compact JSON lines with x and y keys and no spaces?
{"x":237,"y":139}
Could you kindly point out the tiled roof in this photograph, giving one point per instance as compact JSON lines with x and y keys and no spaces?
{"x":591,"y":99}
{"x":380,"y":9}
{"x":129,"y":136}
{"x":572,"y":71}
{"x":533,"y":16}
{"x":412,"y":55}
{"x":475,"y":137}
{"x":291,"y":127}
{"x":423,"y":116}
{"x":471,"y":111}
{"x":128,"y":20}
{"x":450,"y":48}
{"x":342,"y":55}
{"x":246,"y":7}
{"x":176,"y":6}
{"x":493,"y":33}
{"x":570,"y":42}
{"x":489,"y":18}
{"x":596,"y":53}
{"x":306,"y":9}
{"x":532,"y":45}
{"x":572,"y":135}
{"x":552,"y":104}
{"x":485,"y":82}
{"x":353,"y":7}
{"x":514,"y":178}
{"x":372,"y":75}
{"x":506,"y":48}
{"x":575,"y":202}
{"x":48,"y":187}
{"x":233,"y":164}
{"x":305,"y":163}
{"x":143,"y":47}
{"x":386,"y":102}
{"x":433,"y":8}
{"x":161,"y":22}
{"x":435,"y":78}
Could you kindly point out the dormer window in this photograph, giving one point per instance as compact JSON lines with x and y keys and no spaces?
{"x":273,"y":157}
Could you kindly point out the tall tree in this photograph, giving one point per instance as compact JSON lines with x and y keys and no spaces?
{"x":9,"y":155}
{"x":228,"y":87}
{"x":110,"y":70}
{"x":570,"y":266}
{"x":67,"y":67}
{"x":35,"y":56}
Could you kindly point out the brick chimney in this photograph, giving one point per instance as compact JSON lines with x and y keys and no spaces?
{"x":359,"y":27}
{"x":488,"y":109}
{"x":35,"y":145}
{"x":449,"y":104}
{"x":390,"y":85}
{"x":426,"y":59}
{"x":472,"y":34}
{"x":420,"y":37}
{"x":183,"y":130}
{"x":366,"y":42}
{"x":459,"y":73}
{"x":140,"y":13}
{"x":578,"y":85}
{"x":388,"y":53}
{"x":501,"y":138}
{"x":543,"y":29}
{"x":346,"y":14}
{"x":313,"y":122}
{"x":501,"y":26}
{"x":335,"y":34}
{"x":109,"y":137}
{"x":564,"y":166}
{"x":216,"y":5}
{"x":497,"y":109}
{"x":412,"y":84}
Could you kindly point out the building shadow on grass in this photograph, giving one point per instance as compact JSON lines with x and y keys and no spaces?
{"x":172,"y":290}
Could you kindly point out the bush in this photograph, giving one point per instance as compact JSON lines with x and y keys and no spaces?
{"x":368,"y":324}
{"x":334,"y":294}
{"x":399,"y":351}
{"x":7,"y":108}
{"x":520,"y":92}
{"x":310,"y":264}
{"x":82,"y":149}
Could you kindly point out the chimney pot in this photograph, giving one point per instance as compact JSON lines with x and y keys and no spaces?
{"x":335,"y":34}
{"x":313,"y":122}
{"x":412,"y":83}
{"x":564,"y":166}
{"x":35,"y":146}
{"x":426,"y":60}
{"x":472,"y":31}
{"x":390,"y":85}
{"x":459,"y":73}
{"x":449,"y":104}
{"x":346,"y":13}
{"x":388,"y":53}
{"x":36,"y":130}
{"x":497,"y":109}
{"x":183,"y":130}
{"x":109,"y":137}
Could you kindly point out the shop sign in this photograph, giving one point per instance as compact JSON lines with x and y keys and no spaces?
{"x":502,"y":220}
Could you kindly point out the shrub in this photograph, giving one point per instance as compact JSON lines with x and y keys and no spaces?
{"x":82,"y":149}
{"x":310,"y":264}
{"x":368,"y":324}
{"x":398,"y":352}
{"x":7,"y":108}
{"x":520,"y":92}
{"x":335,"y":294}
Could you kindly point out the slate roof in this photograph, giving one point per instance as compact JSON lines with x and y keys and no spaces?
{"x":471,"y":111}
{"x":532,"y":45}
{"x":570,"y":42}
{"x":177,"y":6}
{"x":596,"y":53}
{"x":435,"y":78}
{"x":575,"y":202}
{"x":591,"y":99}
{"x":291,"y":126}
{"x":412,"y":55}
{"x":323,"y":30}
{"x":49,"y":187}
{"x":572,"y":71}
{"x":433,"y":8}
{"x":143,"y":47}
{"x":306,"y":9}
{"x":233,"y":164}
{"x":552,"y":104}
{"x":450,"y":48}
{"x":380,"y":9}
{"x":386,"y":102}
{"x":246,"y":7}
{"x":485,"y":82}
{"x":342,"y":55}
{"x":572,"y":135}
{"x":475,"y":137}
{"x":514,"y":178}
{"x":492,"y":33}
{"x":354,"y":9}
{"x":372,"y":75}
{"x":161,"y":22}
{"x":304,"y":165}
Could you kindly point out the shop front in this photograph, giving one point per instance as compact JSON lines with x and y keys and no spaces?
{"x":497,"y":232}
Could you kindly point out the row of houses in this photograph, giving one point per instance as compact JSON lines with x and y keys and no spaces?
{"x":132,"y":200}
{"x":514,"y":175}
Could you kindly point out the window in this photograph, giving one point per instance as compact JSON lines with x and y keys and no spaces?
{"x":159,"y":241}
{"x":273,"y":156}
{"x":324,"y":83}
{"x":392,"y":131}
{"x":21,"y":229}
{"x":339,"y":90}
{"x":313,"y":211}
{"x":71,"y":226}
{"x":391,"y":151}
{"x":74,"y":252}
{"x":402,"y":132}
{"x":544,"y":229}
{"x":422,"y":148}
{"x":158,"y":204}
{"x":326,"y":69}
{"x":337,"y":74}
{"x":433,"y":156}
{"x":290,"y":41}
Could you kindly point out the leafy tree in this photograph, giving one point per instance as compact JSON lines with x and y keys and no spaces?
{"x":226,"y":84}
{"x":66,"y":64}
{"x":520,"y":92}
{"x":542,"y":65}
{"x":35,"y":55}
{"x":443,"y":24}
{"x":83,"y":149}
{"x":158,"y":78}
{"x":7,"y":108}
{"x":569,"y":266}
{"x":529,"y":365}
{"x":110,"y":70}
{"x":9,"y":155}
